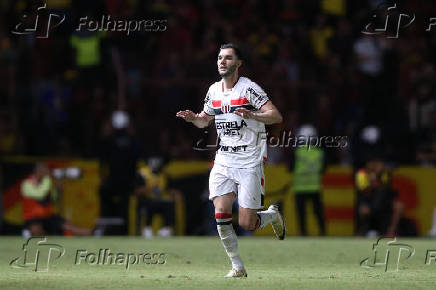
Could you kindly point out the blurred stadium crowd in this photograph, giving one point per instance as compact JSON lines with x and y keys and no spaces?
{"x":57,"y":94}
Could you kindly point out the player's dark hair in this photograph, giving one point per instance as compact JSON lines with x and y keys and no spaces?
{"x":235,"y":48}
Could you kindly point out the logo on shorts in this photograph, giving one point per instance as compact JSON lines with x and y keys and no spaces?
{"x":38,"y":254}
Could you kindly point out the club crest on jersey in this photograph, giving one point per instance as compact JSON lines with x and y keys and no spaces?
{"x":225,"y":106}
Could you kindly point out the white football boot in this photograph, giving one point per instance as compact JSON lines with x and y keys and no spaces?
{"x":236,"y":273}
{"x":279,"y":225}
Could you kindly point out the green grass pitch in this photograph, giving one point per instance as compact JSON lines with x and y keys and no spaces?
{"x":201,"y":263}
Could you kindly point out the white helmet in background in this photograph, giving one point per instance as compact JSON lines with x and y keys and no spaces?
{"x":120,"y":120}
{"x":307,"y":130}
{"x":370,"y":134}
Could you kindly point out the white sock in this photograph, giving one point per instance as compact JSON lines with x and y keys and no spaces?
{"x":229,"y":240}
{"x":266,"y":217}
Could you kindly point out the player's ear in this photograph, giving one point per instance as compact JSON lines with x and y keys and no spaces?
{"x":239,"y":63}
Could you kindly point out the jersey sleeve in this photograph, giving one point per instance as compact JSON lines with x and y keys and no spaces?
{"x":208,"y":108}
{"x":256,"y":96}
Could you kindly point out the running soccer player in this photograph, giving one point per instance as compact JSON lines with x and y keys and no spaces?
{"x":241,"y":109}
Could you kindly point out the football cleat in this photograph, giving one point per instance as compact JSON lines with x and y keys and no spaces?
{"x":279,"y":225}
{"x":236,"y":273}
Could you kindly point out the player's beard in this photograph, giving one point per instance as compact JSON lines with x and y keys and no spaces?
{"x":230,"y":70}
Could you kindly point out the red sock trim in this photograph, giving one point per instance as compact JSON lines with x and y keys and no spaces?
{"x":222,"y":215}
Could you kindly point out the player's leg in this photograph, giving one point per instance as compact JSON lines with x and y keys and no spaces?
{"x":250,"y":198}
{"x":222,"y":191}
{"x":248,"y":218}
{"x":223,"y":215}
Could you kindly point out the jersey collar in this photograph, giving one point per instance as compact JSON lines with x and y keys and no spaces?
{"x":234,"y":85}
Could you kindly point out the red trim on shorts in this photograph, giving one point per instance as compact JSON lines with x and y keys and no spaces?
{"x":222,"y":215}
{"x":262,"y":182}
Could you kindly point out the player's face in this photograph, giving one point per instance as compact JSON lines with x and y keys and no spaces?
{"x":227,"y":62}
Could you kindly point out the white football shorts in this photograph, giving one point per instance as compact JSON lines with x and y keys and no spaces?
{"x":247,"y":183}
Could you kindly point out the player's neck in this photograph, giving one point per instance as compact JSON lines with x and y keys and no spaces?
{"x":230,"y":81}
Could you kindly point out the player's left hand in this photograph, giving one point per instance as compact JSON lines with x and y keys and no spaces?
{"x":244,"y":113}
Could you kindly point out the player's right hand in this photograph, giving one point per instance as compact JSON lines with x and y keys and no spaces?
{"x":186,"y":115}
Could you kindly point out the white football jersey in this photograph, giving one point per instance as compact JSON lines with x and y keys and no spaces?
{"x":242,"y":142}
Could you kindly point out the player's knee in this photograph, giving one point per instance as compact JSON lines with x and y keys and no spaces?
{"x":221,"y":209}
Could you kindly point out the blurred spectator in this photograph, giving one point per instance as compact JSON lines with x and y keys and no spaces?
{"x":40,"y":194}
{"x":88,"y":57}
{"x":319,"y":36}
{"x":154,"y":197}
{"x":8,"y":136}
{"x":119,"y":154}
{"x":308,"y":167}
{"x":378,"y":208}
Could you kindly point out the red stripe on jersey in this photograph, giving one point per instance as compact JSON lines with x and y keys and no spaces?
{"x":222,"y":215}
{"x":262,"y":182}
{"x":216,"y":103}
{"x":239,"y":102}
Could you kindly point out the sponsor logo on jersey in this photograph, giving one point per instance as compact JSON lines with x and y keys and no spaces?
{"x":257,"y":97}
{"x":234,"y":148}
{"x":230,"y":128}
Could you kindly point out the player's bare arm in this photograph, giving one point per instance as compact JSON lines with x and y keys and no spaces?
{"x":268,"y":114}
{"x":200,"y":120}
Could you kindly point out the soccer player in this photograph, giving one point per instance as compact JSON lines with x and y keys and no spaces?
{"x":241,"y":109}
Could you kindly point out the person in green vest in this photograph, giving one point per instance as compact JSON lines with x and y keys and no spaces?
{"x":308,"y":167}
